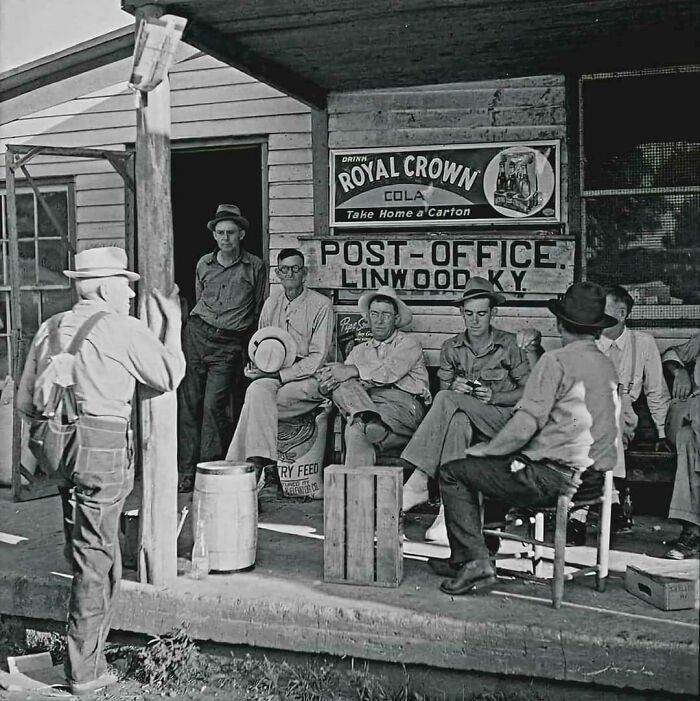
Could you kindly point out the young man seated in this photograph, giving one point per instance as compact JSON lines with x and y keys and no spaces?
{"x":382,"y":388}
{"x":683,"y":430}
{"x":565,"y":423}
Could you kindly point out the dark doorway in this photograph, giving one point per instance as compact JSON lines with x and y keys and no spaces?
{"x":201,"y":180}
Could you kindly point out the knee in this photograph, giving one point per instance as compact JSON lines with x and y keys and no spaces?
{"x":261,"y":389}
{"x":443,"y":398}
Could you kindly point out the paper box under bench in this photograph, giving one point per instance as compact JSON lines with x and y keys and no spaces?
{"x":363,"y":533}
{"x":667,"y":593}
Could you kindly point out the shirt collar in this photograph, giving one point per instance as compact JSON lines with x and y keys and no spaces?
{"x":375,"y":343}
{"x":620,"y":341}
{"x":296,"y":301}
{"x":211,"y":258}
{"x":496,"y":340}
{"x":92,"y":306}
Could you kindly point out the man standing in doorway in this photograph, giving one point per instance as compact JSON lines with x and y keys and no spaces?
{"x":229,"y":292}
{"x":113,"y":352}
{"x":307,"y":316}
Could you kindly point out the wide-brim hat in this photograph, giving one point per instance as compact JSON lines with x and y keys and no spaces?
{"x":272,"y":348}
{"x":107,"y":261}
{"x":583,"y":306}
{"x":228,"y":212}
{"x":480,"y":287}
{"x":405,"y":314}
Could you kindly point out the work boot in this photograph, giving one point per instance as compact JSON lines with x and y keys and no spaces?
{"x":475,"y":577}
{"x":687,"y":547}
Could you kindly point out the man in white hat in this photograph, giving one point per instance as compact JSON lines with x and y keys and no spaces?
{"x":482,"y":373}
{"x":117,"y":352}
{"x":382,"y":388}
{"x":297,"y":323}
{"x":229,"y":289}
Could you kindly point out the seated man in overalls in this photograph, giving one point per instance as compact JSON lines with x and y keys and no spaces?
{"x":382,"y":388}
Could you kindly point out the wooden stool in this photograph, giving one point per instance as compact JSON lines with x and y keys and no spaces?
{"x":363,"y":536}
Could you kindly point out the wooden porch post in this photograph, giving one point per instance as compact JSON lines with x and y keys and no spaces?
{"x":158,"y":415}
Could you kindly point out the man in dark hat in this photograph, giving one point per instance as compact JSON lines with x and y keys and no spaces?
{"x":229,"y":289}
{"x":483,"y":372}
{"x":565,"y":423}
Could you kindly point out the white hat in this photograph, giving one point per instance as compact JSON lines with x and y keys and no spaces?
{"x":107,"y":261}
{"x":272,"y":348}
{"x":405,"y":314}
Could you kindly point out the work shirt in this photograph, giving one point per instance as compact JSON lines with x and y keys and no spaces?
{"x":687,"y":354}
{"x":397,"y":361}
{"x":645,"y":373}
{"x":308,"y":319}
{"x":502,"y":366}
{"x":118,"y":352}
{"x":229,"y":297}
{"x":572,"y":395}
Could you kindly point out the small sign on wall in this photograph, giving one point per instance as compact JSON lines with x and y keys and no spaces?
{"x":420,"y":262}
{"x":446,"y":185}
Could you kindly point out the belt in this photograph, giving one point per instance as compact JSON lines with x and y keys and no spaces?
{"x":221,"y":333}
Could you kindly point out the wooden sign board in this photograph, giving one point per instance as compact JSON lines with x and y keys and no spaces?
{"x":513,"y":265}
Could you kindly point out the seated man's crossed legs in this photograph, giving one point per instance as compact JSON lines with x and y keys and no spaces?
{"x":450,"y":427}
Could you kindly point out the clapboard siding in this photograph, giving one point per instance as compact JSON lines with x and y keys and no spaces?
{"x":209,"y":100}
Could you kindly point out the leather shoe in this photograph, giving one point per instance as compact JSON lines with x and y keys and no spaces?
{"x":475,"y":577}
{"x":444,"y":567}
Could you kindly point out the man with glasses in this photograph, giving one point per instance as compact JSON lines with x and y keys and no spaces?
{"x":229,"y":290}
{"x":292,"y":391}
{"x":382,"y":388}
{"x":483,"y":372}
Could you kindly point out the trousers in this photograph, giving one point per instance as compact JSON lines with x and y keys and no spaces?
{"x":99,"y":477}
{"x":448,"y":429}
{"x":683,"y":429}
{"x":400,"y":411}
{"x":461,"y":481}
{"x":266,"y":402}
{"x":214,"y":376}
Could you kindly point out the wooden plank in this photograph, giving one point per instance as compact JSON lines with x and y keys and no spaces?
{"x":321,"y":174}
{"x":292,"y":156}
{"x":291,"y":208}
{"x":100,"y":230}
{"x":288,"y":140}
{"x":290,"y":191}
{"x":287,"y":173}
{"x":158,"y":415}
{"x":291,"y":225}
{"x":334,"y":514}
{"x":360,"y":527}
{"x":100,"y":213}
{"x":113,"y":195}
{"x":389,"y":537}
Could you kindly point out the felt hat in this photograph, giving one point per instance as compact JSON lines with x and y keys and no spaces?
{"x":480,"y":287}
{"x":405,"y":314}
{"x":272,"y":348}
{"x":228,"y":212}
{"x":107,"y":261}
{"x":582,"y":306}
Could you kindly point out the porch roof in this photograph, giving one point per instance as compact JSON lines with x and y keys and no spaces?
{"x":308,"y":48}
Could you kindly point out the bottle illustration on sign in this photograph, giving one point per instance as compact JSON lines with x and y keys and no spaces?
{"x":518,"y":190}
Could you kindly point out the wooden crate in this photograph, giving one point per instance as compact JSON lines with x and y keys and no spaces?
{"x":363,"y":534}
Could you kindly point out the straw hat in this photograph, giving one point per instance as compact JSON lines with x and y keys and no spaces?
{"x":108,"y":261}
{"x":405,"y":314}
{"x":272,"y":348}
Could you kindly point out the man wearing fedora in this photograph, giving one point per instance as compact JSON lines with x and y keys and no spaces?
{"x":229,"y":291}
{"x":295,"y":335}
{"x":382,"y":388}
{"x":482,"y":373}
{"x":565,"y":423}
{"x":97,"y":474}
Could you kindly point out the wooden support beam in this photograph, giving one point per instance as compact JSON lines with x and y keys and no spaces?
{"x":319,"y":159}
{"x":154,"y":251}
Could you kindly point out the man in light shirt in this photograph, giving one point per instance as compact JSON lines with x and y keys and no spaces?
{"x":308,"y":318}
{"x":638,"y":363}
{"x":382,"y":388}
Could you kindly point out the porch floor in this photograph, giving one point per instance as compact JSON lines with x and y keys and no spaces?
{"x":610,"y":638}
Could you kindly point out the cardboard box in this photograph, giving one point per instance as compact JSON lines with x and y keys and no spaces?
{"x":668,"y":593}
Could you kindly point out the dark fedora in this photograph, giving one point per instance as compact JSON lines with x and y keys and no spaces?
{"x":582,"y":306}
{"x":480,"y":287}
{"x":228,"y":212}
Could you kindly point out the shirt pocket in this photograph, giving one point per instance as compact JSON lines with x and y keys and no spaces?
{"x":493,"y":374}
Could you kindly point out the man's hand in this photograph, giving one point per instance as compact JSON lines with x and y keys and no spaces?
{"x":478,"y":450}
{"x":682,"y":385}
{"x":158,"y":309}
{"x":253,"y":373}
{"x":483,"y":393}
{"x":331,"y":375}
{"x":460,"y":385}
{"x":528,"y":339}
{"x":662,"y":446}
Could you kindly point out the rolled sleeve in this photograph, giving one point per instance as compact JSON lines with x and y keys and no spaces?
{"x":540,"y":392}
{"x":520,"y":366}
{"x":386,"y":371}
{"x":448,"y":366}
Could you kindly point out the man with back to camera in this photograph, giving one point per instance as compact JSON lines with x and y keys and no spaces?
{"x":307,"y":316}
{"x":229,"y":292}
{"x":565,"y":423}
{"x":382,"y":387}
{"x":117,"y":352}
